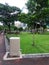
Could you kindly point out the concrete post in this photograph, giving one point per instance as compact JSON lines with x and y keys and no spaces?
{"x":14,"y":46}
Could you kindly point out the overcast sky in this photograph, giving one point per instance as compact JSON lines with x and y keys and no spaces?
{"x":18,"y":3}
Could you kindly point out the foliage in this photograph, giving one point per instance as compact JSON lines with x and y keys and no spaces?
{"x":6,"y":14}
{"x":22,"y":17}
{"x":38,"y":12}
{"x":20,"y":29}
{"x":15,"y":28}
{"x":1,"y":28}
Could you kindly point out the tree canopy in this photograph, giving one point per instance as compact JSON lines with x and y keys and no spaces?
{"x":8,"y":13}
{"x":38,"y":10}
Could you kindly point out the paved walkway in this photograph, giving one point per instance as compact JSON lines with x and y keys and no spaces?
{"x":25,"y":61}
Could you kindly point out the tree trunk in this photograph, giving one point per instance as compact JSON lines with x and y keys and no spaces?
{"x":9,"y":27}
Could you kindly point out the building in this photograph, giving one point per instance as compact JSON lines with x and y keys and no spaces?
{"x":18,"y":24}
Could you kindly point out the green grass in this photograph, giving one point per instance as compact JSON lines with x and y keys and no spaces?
{"x":26,"y":40}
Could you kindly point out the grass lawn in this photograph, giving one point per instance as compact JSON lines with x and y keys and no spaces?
{"x":26,"y":40}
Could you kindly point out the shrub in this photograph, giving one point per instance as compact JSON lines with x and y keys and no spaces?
{"x":15,"y":28}
{"x":20,"y":29}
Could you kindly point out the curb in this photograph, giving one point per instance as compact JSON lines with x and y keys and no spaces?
{"x":38,"y":55}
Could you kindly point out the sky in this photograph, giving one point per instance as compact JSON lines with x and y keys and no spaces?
{"x":17,"y":3}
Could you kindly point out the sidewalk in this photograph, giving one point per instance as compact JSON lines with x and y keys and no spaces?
{"x":24,"y":61}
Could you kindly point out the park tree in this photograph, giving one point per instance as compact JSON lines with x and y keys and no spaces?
{"x":38,"y":10}
{"x":8,"y":14}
